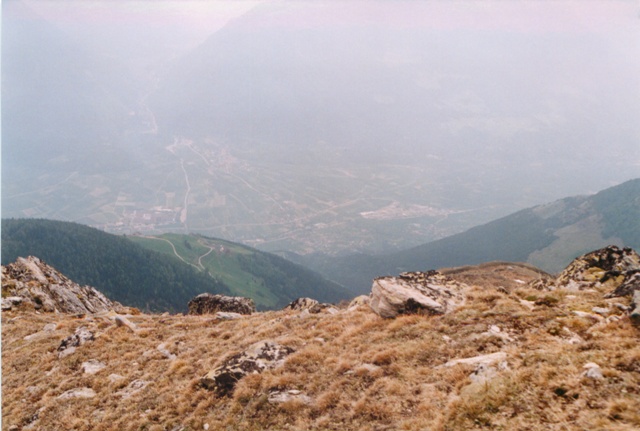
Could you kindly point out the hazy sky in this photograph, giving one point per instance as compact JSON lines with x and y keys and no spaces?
{"x":541,"y":91}
{"x":205,"y":17}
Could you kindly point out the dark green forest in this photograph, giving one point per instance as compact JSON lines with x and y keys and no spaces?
{"x":122,"y":270}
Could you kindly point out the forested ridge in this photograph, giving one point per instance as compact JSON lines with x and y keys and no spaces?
{"x":123,"y":270}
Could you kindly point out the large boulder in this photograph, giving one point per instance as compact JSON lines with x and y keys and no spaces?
{"x":614,"y":269}
{"x":416,"y":293}
{"x":46,"y":289}
{"x":206,"y":303}
{"x":259,"y":357}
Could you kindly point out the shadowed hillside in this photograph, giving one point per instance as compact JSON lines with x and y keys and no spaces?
{"x":548,"y":236}
{"x":146,"y":272}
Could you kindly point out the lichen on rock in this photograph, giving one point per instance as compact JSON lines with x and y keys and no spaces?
{"x":416,"y":293}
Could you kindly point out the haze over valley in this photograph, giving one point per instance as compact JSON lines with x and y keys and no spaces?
{"x":314,"y":127}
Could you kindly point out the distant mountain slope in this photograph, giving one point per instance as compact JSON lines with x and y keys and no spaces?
{"x":145,"y":272}
{"x":60,"y":103}
{"x":547,"y":236}
{"x":122,"y":270}
{"x":270,"y":280}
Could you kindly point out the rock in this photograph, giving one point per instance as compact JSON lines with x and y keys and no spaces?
{"x":592,"y":371}
{"x":489,"y":359}
{"x":278,"y":397}
{"x":495,"y":332}
{"x":317,"y":308}
{"x":304,"y":314}
{"x":573,"y":337}
{"x":207,"y":303}
{"x":226,"y":315}
{"x":123,"y":321}
{"x":69,"y":344}
{"x":358,"y":301}
{"x":416,"y":292}
{"x":629,"y":285}
{"x":584,"y":314}
{"x":634,"y":309}
{"x":613,"y":268}
{"x":162,"y":348}
{"x":133,"y":388}
{"x":301,"y":304}
{"x":46,"y":289}
{"x":601,"y":311}
{"x":92,"y":366}
{"x":10,"y":302}
{"x":483,"y":373}
{"x":77,"y":393}
{"x":115,"y":378}
{"x":260,"y":356}
{"x":50,"y":327}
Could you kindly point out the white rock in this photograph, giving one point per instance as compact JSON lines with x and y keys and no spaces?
{"x":586,"y":315}
{"x":601,"y":311}
{"x":304,"y":313}
{"x":529,"y":304}
{"x":227,"y":315}
{"x":123,"y":321}
{"x":115,"y":377}
{"x":66,"y":352}
{"x":286,"y":396}
{"x":358,"y":301}
{"x":413,"y":292}
{"x":483,"y":373}
{"x":592,"y":371}
{"x":133,"y":388}
{"x":92,"y":366}
{"x":78,"y":393}
{"x":489,"y":359}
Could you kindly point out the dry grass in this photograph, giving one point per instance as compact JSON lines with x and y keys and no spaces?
{"x":362,"y":372}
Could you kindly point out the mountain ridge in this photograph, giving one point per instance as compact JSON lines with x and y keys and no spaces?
{"x":548,"y":236}
{"x":152,"y":280}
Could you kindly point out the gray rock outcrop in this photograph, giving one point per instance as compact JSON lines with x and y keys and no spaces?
{"x":301,"y":304}
{"x":46,"y":289}
{"x":613,"y":268}
{"x":634,"y":309}
{"x":259,"y":357}
{"x":416,"y":293}
{"x":69,"y":344}
{"x":310,"y":304}
{"x":207,"y":303}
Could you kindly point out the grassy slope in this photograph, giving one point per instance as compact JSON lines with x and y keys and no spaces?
{"x":270,"y":280}
{"x":224,"y":266}
{"x":361,"y":372}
